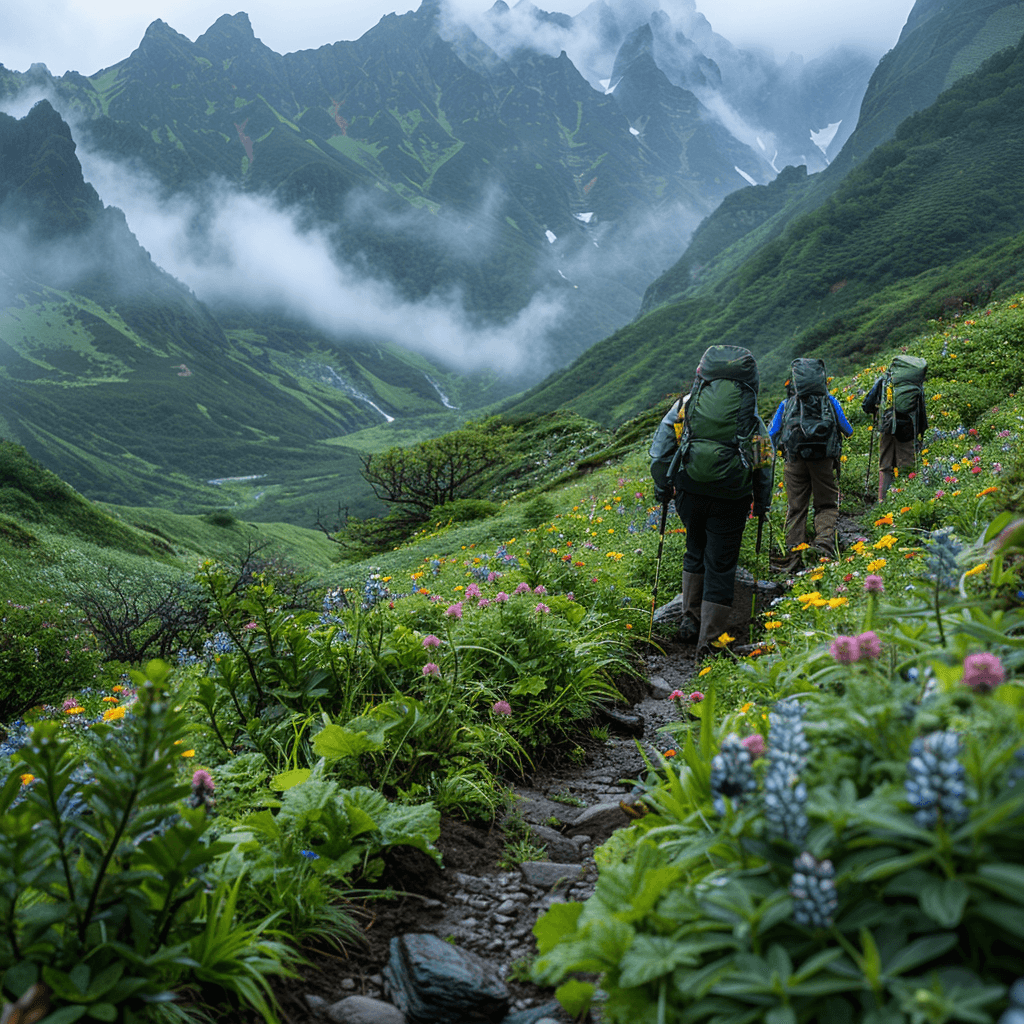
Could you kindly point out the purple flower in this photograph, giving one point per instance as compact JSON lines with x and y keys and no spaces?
{"x":454,"y":611}
{"x":542,"y":609}
{"x":540,"y":589}
{"x":483,"y":602}
{"x":874,"y":585}
{"x":493,"y":577}
{"x":502,"y":707}
{"x":983,"y":671}
{"x":523,"y":588}
{"x":870,"y":645}
{"x":501,"y":597}
{"x":472,"y":590}
{"x":431,"y":641}
{"x":845,"y":650}
{"x":570,"y":596}
{"x":430,"y":669}
{"x":754,"y":744}
{"x":202,"y":779}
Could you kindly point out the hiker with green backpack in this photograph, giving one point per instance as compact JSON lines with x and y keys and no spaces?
{"x":712,"y":454}
{"x":809,"y":426}
{"x":899,"y":395}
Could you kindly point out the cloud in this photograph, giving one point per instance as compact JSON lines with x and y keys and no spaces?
{"x":241,"y":250}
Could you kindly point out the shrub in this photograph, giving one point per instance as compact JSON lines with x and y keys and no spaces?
{"x":44,"y":653}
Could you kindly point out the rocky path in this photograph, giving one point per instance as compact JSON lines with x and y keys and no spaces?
{"x":484,"y":914}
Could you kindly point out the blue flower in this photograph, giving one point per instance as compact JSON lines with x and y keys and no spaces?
{"x":943,"y":551}
{"x":309,"y":854}
{"x":731,"y":773}
{"x":784,"y":794}
{"x":814,"y":891}
{"x":934,"y":783}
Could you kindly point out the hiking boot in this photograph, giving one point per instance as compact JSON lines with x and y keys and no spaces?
{"x":693,"y":589}
{"x":714,"y":618}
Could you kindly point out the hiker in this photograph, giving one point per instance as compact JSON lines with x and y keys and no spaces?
{"x":809,"y":426}
{"x":711,"y":453}
{"x":899,"y":392}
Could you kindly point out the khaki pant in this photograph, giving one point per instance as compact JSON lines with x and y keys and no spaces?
{"x":808,"y":480}
{"x":893,"y":453}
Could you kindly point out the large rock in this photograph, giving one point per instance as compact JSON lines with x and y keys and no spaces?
{"x":434,"y":982}
{"x":558,"y":847}
{"x":600,"y":821}
{"x":547,"y":875}
{"x":363,"y":1010}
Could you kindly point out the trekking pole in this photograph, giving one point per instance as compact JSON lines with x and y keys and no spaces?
{"x":871,"y":451}
{"x":657,"y":568}
{"x":757,"y":576}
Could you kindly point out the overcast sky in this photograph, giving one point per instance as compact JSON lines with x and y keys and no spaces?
{"x":87,"y":35}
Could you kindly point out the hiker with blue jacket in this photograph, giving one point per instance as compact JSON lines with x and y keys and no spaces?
{"x":711,"y":453}
{"x":899,"y":394}
{"x":809,"y":426}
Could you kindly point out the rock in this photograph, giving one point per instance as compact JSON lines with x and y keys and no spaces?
{"x":535,"y":1014}
{"x":600,"y":821}
{"x":434,"y":982}
{"x":627,"y":722}
{"x":546,"y":875}
{"x":536,"y":809}
{"x":658,"y":688}
{"x":558,"y":846}
{"x":316,"y":1003}
{"x":362,"y":1010}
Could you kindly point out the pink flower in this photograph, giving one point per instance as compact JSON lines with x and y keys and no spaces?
{"x":483,"y":602}
{"x":501,"y":597}
{"x":983,"y":671}
{"x":676,"y":695}
{"x":874,"y":584}
{"x":472,"y":590}
{"x":454,"y":611}
{"x":492,"y":576}
{"x":431,"y":641}
{"x":523,"y":588}
{"x":501,"y":707}
{"x":540,"y":589}
{"x":249,"y":625}
{"x":845,"y":650}
{"x":870,"y":645}
{"x":430,"y":669}
{"x":434,"y":597}
{"x":696,"y":696}
{"x":542,"y":609}
{"x":754,"y":744}
{"x":940,"y":494}
{"x":570,"y":596}
{"x":975,"y":469}
{"x":202,"y":779}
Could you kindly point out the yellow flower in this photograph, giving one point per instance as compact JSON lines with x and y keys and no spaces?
{"x":117,"y":689}
{"x":110,"y":700}
{"x":977,"y":569}
{"x":704,"y":671}
{"x":27,"y":778}
{"x":723,"y":639}
{"x":773,"y":625}
{"x":874,"y":566}
{"x":837,"y":602}
{"x":188,"y":753}
{"x":807,"y":598}
{"x":113,"y":713}
{"x":885,"y":542}
{"x":746,"y":707}
{"x":858,"y":547}
{"x":800,"y":547}
{"x":73,"y":711}
{"x":815,"y":576}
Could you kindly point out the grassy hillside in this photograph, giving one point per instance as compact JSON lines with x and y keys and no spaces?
{"x":930,"y":223}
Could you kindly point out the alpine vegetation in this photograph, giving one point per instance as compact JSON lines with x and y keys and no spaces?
{"x":935,"y":779}
{"x":784,"y":794}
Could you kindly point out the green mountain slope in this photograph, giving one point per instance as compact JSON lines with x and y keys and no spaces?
{"x":940,"y":44}
{"x":929,"y":221}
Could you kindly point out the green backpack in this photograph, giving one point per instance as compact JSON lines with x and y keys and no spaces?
{"x":723,"y":438}
{"x":810,"y":427}
{"x":902,"y":389}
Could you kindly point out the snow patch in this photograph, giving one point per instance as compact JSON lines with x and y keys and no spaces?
{"x":551,"y":236}
{"x":633,"y":131}
{"x":745,"y":176}
{"x":585,"y":217}
{"x":761,"y":144}
{"x":823,"y":139}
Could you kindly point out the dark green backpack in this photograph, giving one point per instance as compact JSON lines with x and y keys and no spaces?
{"x":902,"y":389}
{"x":723,"y":438}
{"x":810,"y":427}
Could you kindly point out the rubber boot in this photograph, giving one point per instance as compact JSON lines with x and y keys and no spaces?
{"x":886,"y":478}
{"x":714,"y":618}
{"x":693,"y":590}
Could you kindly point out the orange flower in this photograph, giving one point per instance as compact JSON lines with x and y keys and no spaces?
{"x":112,"y":714}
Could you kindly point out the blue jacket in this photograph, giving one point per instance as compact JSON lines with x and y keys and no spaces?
{"x":775,"y":427}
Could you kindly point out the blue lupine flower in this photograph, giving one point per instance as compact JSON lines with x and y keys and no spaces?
{"x":374,"y":590}
{"x":934,"y":783}
{"x":17,"y":737}
{"x":814,"y":891}
{"x":784,"y":794}
{"x":219,"y":643}
{"x":185,"y":657}
{"x":309,"y":854}
{"x":943,"y":552}
{"x":731,"y":773}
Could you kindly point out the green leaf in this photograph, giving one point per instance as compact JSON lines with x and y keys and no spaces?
{"x":780,"y":1015}
{"x":103,"y":1011}
{"x":920,"y":951}
{"x":65,"y":1015}
{"x":263,"y":823}
{"x":1006,"y":879}
{"x":288,"y":779}
{"x":334,"y":742}
{"x":575,"y":997}
{"x":557,"y":924}
{"x":532,"y":685}
{"x":944,"y":900}
{"x":650,"y":957}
